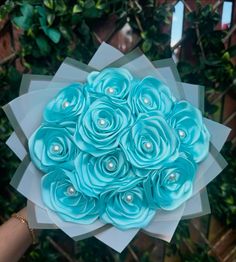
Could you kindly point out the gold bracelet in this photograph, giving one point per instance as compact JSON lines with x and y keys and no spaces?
{"x":24,"y":221}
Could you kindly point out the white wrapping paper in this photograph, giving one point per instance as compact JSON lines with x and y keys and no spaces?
{"x":36,"y":91}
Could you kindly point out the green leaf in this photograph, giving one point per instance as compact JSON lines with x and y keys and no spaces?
{"x":50,"y":19}
{"x":43,"y":45}
{"x":232,"y":51}
{"x":27,"y":10}
{"x":226,"y":56}
{"x":42,"y":11}
{"x":6,"y":8}
{"x":143,"y":35}
{"x":230,"y":200}
{"x":43,"y":23}
{"x":92,"y":13}
{"x":185,"y":68}
{"x":89,"y":4}
{"x":53,"y":34}
{"x":77,"y":9}
{"x":146,"y":46}
{"x":21,"y":22}
{"x":14,"y":77}
{"x":81,"y":3}
{"x":60,"y":7}
{"x":49,"y":4}
{"x":66,"y":32}
{"x":99,"y":5}
{"x":25,"y":20}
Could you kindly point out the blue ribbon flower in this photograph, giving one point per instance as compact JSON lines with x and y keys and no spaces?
{"x":188,"y":124}
{"x":117,"y":148}
{"x":150,"y":143}
{"x":51,"y":146}
{"x":150,"y":94}
{"x":60,"y":195}
{"x":98,"y":174}
{"x":102,"y":125}
{"x":67,"y":105}
{"x":172,"y":185}
{"x":115,"y":82}
{"x":126,"y":209}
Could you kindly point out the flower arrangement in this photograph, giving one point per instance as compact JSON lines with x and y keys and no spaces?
{"x":118,"y":148}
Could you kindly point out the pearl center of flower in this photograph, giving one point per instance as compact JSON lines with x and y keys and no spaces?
{"x":56,"y":148}
{"x":71,"y":190}
{"x":148,"y":146}
{"x":146,"y":101}
{"x":111,"y":165}
{"x":182,"y":134}
{"x":102,"y":122}
{"x":110,"y":90}
{"x":129,"y":198}
{"x":172,"y":177}
{"x":65,"y":104}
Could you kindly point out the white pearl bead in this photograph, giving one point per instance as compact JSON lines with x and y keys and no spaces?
{"x":101,"y":122}
{"x":110,"y":90}
{"x":146,"y":100}
{"x":56,"y":148}
{"x":148,"y":145}
{"x":182,"y":134}
{"x":172,"y":176}
{"x":129,"y":198}
{"x":65,"y":104}
{"x":71,"y":190}
{"x":111,"y":166}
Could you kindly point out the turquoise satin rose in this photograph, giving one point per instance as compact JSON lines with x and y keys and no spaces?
{"x":60,"y":195}
{"x":141,"y":172}
{"x":50,"y":147}
{"x":150,"y":142}
{"x":68,"y":104}
{"x":150,"y":94}
{"x":115,"y":82}
{"x":98,"y":174}
{"x":188,"y":124}
{"x":172,"y":185}
{"x":127,"y":209}
{"x":101,"y":127}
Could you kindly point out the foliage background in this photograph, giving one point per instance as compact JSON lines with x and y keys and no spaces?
{"x":51,"y":30}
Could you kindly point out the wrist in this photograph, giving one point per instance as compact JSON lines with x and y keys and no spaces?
{"x":23,"y":213}
{"x":23,"y":218}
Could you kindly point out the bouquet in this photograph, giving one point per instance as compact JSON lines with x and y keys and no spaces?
{"x":113,"y":147}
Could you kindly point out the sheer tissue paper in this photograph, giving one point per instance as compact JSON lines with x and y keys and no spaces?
{"x":113,"y":147}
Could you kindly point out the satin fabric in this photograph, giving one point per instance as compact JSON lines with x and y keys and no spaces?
{"x":150,"y":94}
{"x":119,"y":79}
{"x":117,"y":148}
{"x":188,"y":119}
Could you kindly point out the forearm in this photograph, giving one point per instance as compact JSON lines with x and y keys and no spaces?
{"x":15,"y":238}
